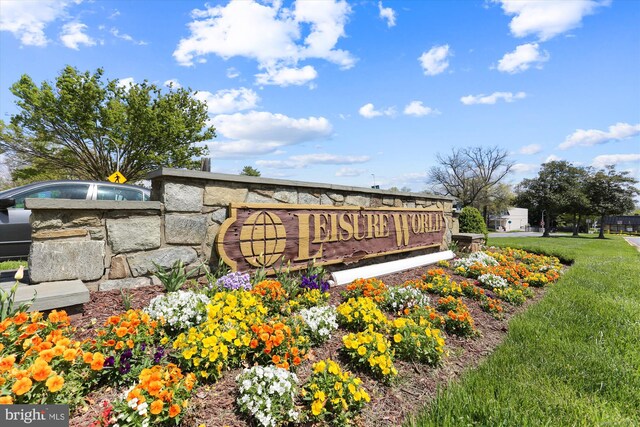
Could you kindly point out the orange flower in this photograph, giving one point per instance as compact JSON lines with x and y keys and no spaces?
{"x":156,"y":407}
{"x":87,"y":357}
{"x":70,"y":354}
{"x":130,"y":343}
{"x":174,"y":410}
{"x":113,"y":320}
{"x":55,"y":383}
{"x":109,"y":343}
{"x":120,"y":332}
{"x":6,"y":363}
{"x":47,"y":355}
{"x":275,"y":359}
{"x":253,"y":343}
{"x":154,"y":387}
{"x":21,"y":386}
{"x":119,"y":345}
{"x":97,"y":362}
{"x":20,"y":318}
{"x":40,"y":371}
{"x":6,"y":400}
{"x":297,"y":360}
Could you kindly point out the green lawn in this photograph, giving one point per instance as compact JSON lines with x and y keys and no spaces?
{"x":12,"y":265}
{"x":573,"y":359}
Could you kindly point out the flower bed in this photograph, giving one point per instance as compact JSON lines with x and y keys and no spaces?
{"x":155,"y":361}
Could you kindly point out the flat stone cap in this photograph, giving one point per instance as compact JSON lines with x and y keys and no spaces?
{"x":106,"y":205}
{"x":52,"y":295}
{"x":242,"y":179}
{"x":467,"y":237}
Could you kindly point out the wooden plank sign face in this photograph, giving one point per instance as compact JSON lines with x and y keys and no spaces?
{"x":264,"y":235}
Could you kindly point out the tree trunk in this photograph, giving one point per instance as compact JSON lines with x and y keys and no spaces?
{"x":601,"y":235}
{"x":576,"y":224}
{"x":547,"y":225}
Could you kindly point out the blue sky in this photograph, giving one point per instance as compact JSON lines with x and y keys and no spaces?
{"x":348,"y":92}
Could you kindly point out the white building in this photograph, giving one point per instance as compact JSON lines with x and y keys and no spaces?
{"x":517,"y":219}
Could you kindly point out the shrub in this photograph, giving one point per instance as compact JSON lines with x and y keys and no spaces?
{"x":267,"y":393}
{"x":471,"y":221}
{"x":335,"y":396}
{"x":320,"y":321}
{"x":358,"y":313}
{"x":180,"y":310}
{"x":158,"y":398}
{"x":413,"y":342}
{"x":399,"y":298}
{"x":40,"y":363}
{"x":129,"y":342}
{"x":492,"y":306}
{"x":232,"y":282}
{"x":370,"y":350}
{"x":274,"y":295}
{"x":371,"y":288}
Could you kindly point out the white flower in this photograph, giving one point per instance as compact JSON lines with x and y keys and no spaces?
{"x":133,"y":403}
{"x":493,"y":281}
{"x":181,"y":310}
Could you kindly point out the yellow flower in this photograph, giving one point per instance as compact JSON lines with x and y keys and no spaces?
{"x":319,"y":367}
{"x":316,"y":407}
{"x":334,"y":368}
{"x":397,"y":337}
{"x":362,"y":351}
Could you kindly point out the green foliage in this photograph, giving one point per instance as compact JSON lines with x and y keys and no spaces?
{"x":7,"y":299}
{"x":127,"y":298}
{"x":174,"y":278}
{"x":83,"y":126}
{"x":250,"y":171}
{"x":588,"y":321}
{"x":471,"y":221}
{"x":611,"y":193}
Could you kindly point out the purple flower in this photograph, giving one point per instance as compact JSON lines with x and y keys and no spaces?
{"x":314,"y":282}
{"x":234,"y":281}
{"x":157,"y":357}
{"x":109,"y":361}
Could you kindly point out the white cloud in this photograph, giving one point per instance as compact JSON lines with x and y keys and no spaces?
{"x":547,"y":19}
{"x":126,"y":82}
{"x":552,"y":158}
{"x":255,"y":133}
{"x":347,"y":171}
{"x":116,"y":33}
{"x":590,"y":137}
{"x":492,"y":99}
{"x":232,"y":73}
{"x":73,"y":36}
{"x":409,"y":179}
{"x":286,"y":76}
{"x":26,"y":19}
{"x":615,"y":159}
{"x":524,"y":167}
{"x":522,"y":58}
{"x":435,"y":61}
{"x":303,"y":160}
{"x":173,"y":83}
{"x":531,"y":149}
{"x":268,"y":33}
{"x":387,"y":14}
{"x":228,"y":100}
{"x":368,"y":111}
{"x":415,"y":108}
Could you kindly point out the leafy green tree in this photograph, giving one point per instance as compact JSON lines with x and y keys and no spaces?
{"x":611,"y":193}
{"x":85,"y":127}
{"x":551,"y":192}
{"x":250,"y":171}
{"x":471,"y":221}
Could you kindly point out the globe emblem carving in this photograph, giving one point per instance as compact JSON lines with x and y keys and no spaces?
{"x":262,"y":239}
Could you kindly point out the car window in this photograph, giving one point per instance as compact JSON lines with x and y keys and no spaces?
{"x":56,"y":191}
{"x":108,"y":192}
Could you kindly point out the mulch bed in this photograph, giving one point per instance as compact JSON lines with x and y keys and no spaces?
{"x":417,"y":384}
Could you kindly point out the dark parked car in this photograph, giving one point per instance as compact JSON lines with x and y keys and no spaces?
{"x":15,"y":230}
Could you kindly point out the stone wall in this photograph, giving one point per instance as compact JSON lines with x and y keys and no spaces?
{"x":117,"y":244}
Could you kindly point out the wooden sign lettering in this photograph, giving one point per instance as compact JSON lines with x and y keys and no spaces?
{"x":264,"y":235}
